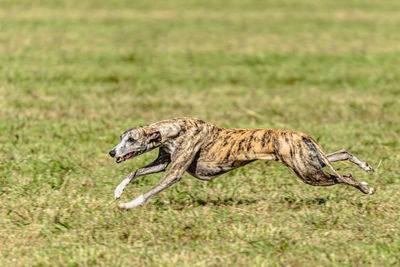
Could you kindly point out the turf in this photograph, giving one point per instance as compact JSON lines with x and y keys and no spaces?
{"x":75,"y":74}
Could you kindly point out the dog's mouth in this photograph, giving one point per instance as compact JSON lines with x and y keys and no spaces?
{"x":126,"y":157}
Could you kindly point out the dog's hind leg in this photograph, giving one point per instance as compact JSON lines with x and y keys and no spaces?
{"x":158,"y":165}
{"x":343,"y":154}
{"x":307,"y":160}
{"x":313,"y":174}
{"x":342,"y":179}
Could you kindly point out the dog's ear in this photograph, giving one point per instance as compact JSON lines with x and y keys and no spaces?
{"x":154,"y":136}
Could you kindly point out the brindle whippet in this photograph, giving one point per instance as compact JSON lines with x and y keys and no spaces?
{"x":206,"y":151}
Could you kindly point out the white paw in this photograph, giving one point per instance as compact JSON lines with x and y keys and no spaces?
{"x":367,"y":168}
{"x":121,"y":206}
{"x":134,"y":203}
{"x":371,"y":190}
{"x":120,"y":188}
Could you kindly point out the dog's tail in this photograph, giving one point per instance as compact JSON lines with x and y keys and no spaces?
{"x":311,"y":142}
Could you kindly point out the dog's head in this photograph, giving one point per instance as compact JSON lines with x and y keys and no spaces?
{"x":134,"y":142}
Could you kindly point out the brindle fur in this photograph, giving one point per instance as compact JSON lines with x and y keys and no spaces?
{"x":206,"y":151}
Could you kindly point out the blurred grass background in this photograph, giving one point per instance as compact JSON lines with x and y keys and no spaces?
{"x":75,"y":74}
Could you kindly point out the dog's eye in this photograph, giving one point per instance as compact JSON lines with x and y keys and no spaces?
{"x":130,"y":139}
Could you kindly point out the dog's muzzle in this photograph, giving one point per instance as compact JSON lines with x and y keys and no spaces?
{"x":127,"y":156}
{"x":112,"y":153}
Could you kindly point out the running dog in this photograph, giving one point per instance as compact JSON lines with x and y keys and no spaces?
{"x":206,"y":151}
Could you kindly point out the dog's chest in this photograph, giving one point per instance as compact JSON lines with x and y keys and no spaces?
{"x":170,"y":147}
{"x":207,"y":170}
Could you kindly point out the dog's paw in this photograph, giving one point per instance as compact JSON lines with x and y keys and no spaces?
{"x":121,"y":206}
{"x":371,"y":190}
{"x":134,"y":203}
{"x":367,"y":168}
{"x":120,"y":188}
{"x":118,"y":191}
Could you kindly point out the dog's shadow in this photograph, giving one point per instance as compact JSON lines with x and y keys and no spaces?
{"x":229,"y":201}
{"x":305,"y":201}
{"x":198,"y":202}
{"x":225,"y":202}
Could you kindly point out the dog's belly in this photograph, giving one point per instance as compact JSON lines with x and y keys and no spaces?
{"x":210,"y":170}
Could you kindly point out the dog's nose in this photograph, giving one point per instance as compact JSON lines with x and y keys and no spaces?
{"x":112,"y":153}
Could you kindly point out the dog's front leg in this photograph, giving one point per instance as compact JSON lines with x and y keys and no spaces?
{"x":178,"y":168}
{"x":169,"y":179}
{"x":158,"y":165}
{"x":139,"y":172}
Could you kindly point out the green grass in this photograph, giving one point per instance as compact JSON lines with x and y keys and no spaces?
{"x":75,"y":74}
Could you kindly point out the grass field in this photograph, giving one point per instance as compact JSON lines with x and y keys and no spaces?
{"x":75,"y":74}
